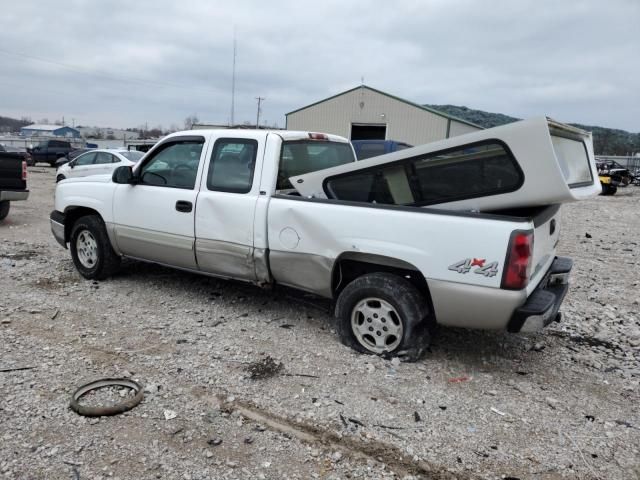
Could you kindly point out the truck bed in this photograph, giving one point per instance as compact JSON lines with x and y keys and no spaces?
{"x":308,"y":237}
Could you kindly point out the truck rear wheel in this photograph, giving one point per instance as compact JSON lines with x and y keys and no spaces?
{"x":4,"y":209}
{"x":383,"y":314}
{"x":91,"y":250}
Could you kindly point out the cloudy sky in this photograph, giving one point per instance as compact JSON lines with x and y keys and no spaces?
{"x":122,"y":63}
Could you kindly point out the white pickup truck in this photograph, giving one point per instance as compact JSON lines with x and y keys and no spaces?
{"x":460,"y":232}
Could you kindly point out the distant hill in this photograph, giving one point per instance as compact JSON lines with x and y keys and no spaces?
{"x":8,"y":125}
{"x":479,"y":117}
{"x":606,"y":141}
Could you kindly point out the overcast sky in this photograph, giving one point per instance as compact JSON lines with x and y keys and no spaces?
{"x":123,"y":63}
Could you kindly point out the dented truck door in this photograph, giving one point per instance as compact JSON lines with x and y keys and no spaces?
{"x":226,"y":206}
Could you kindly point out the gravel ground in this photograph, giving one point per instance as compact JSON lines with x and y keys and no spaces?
{"x":247,"y":383}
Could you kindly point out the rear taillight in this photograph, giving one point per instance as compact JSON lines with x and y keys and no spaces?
{"x":517,"y":267}
{"x":24,"y":170}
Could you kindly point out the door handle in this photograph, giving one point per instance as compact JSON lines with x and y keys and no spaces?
{"x":184,"y":206}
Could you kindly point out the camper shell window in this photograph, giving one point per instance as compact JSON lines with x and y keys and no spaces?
{"x":474,"y":170}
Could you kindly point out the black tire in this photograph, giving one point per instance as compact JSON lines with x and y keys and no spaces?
{"x":103,"y":262}
{"x":412,"y":313}
{"x":60,"y":177}
{"x":608,"y":189}
{"x":4,"y":209}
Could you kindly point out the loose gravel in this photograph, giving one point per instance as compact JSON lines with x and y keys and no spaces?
{"x":248,"y":383}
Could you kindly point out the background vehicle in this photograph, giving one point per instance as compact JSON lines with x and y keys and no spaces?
{"x":26,"y":156}
{"x":13,"y":180}
{"x":50,"y":150}
{"x":70,"y":156}
{"x":613,"y":175}
{"x":373,"y":148}
{"x":232,"y":204}
{"x":95,"y":162}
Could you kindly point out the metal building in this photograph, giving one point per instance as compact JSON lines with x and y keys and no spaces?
{"x":364,"y":113}
{"x":49,"y":130}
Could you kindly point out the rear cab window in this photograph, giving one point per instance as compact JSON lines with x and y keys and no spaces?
{"x":303,"y":156}
{"x":474,"y":170}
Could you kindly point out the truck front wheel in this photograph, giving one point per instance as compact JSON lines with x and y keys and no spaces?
{"x":4,"y":209}
{"x":383,"y":314}
{"x":91,"y":250}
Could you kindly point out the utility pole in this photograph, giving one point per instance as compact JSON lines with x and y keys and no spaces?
{"x":233,"y":81}
{"x":260,"y":99}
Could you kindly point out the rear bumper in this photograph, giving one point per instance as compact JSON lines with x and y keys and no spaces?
{"x":57,"y":227}
{"x":543,"y":305}
{"x":13,"y":195}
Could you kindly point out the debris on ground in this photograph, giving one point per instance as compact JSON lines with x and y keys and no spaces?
{"x":264,"y":368}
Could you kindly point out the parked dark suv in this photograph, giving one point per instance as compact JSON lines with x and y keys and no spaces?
{"x":50,"y":150}
{"x":373,"y":148}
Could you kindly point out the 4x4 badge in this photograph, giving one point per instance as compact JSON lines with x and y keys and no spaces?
{"x":464,"y":266}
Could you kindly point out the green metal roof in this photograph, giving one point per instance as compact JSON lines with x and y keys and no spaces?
{"x":421,"y":107}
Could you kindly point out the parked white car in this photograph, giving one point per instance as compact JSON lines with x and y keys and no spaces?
{"x":99,"y":161}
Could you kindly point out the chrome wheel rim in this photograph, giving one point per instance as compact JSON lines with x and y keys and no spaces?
{"x":87,"y":249}
{"x":376,"y":325}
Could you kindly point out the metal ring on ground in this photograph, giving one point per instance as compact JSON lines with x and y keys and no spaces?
{"x":113,"y":409}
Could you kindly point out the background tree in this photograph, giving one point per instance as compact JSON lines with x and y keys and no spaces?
{"x":190,"y":121}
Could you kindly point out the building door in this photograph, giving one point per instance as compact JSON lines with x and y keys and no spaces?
{"x":360,"y":131}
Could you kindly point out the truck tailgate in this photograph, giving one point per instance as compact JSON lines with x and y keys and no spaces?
{"x":11,"y":172}
{"x":545,"y":238}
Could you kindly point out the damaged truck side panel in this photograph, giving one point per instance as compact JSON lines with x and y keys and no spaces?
{"x":227,"y":203}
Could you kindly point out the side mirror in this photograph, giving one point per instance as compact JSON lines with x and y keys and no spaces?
{"x":124,"y":175}
{"x":72,"y":164}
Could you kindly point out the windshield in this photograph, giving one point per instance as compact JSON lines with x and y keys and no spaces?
{"x":132,"y":155}
{"x":300,"y":157}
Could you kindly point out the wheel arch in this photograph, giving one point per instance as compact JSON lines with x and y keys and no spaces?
{"x":72,"y":214}
{"x":351,"y":265}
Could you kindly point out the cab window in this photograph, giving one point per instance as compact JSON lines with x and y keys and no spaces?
{"x":174,"y":164}
{"x":232,"y":164}
{"x":300,"y":157}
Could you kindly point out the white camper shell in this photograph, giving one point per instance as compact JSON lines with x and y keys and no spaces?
{"x":534,"y":162}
